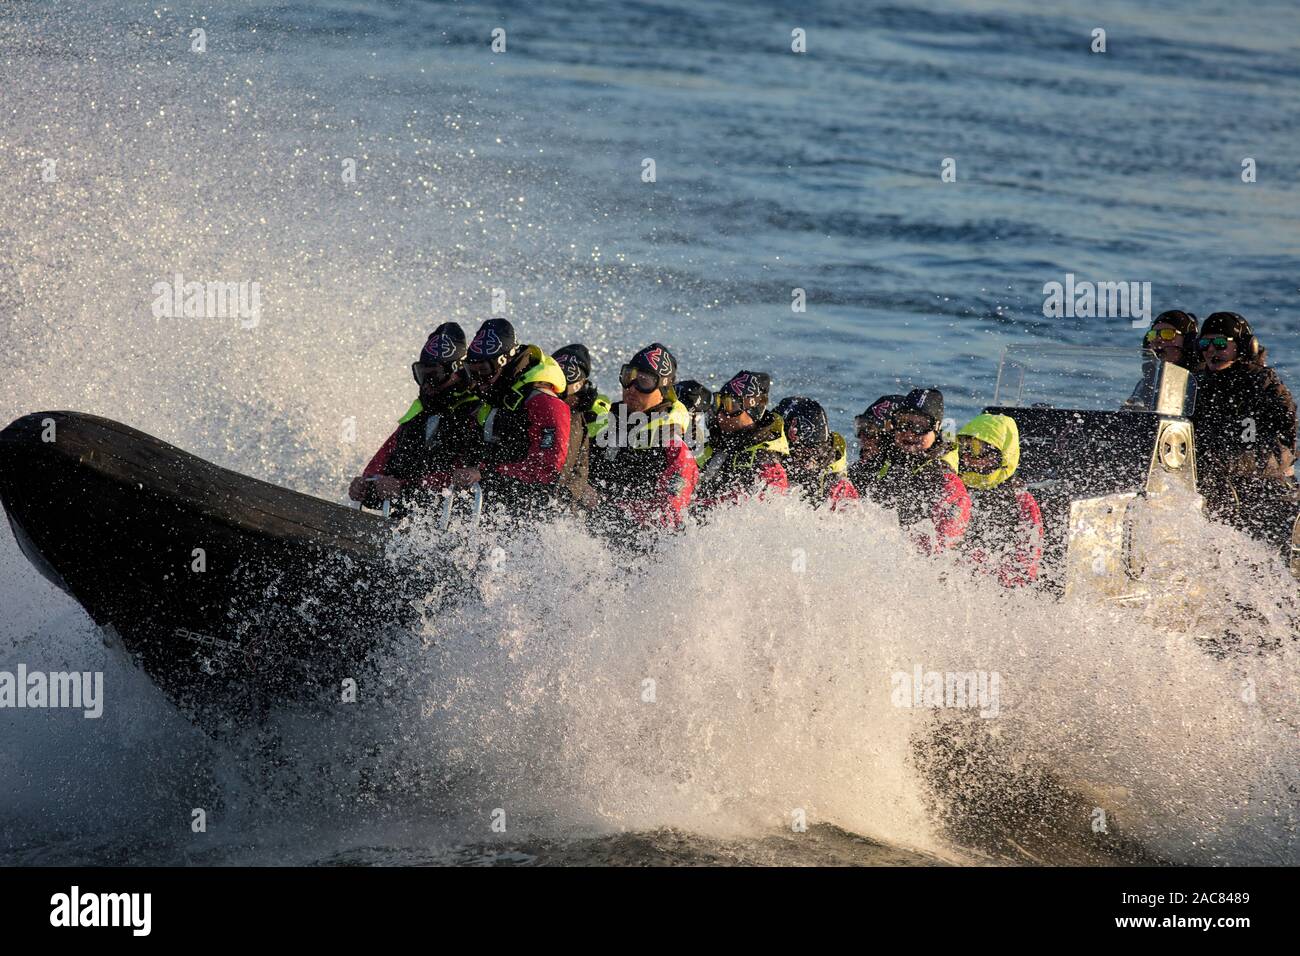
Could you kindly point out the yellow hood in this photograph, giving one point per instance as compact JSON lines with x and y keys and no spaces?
{"x":546,"y":371}
{"x":1001,"y":432}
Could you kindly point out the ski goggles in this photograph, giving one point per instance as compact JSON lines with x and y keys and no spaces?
{"x":632,"y":377}
{"x":1218,"y":341}
{"x":482,"y":373}
{"x":731,"y":405}
{"x":911,"y":425}
{"x":1164,"y":335}
{"x":977,"y":454}
{"x":868,"y":426}
{"x":433,"y":374}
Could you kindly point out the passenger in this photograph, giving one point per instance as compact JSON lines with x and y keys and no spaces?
{"x":698,"y":401}
{"x":1172,"y":337}
{"x":588,"y":409}
{"x":873,"y":438}
{"x":1245,"y":431}
{"x":641,"y":470}
{"x":1005,"y":533}
{"x":917,"y":478}
{"x":523,"y":426}
{"x":580,"y":393}
{"x":746,"y":445}
{"x":433,"y":433}
{"x":818,"y":463}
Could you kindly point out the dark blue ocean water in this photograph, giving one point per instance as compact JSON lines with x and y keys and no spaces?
{"x":521,"y":171}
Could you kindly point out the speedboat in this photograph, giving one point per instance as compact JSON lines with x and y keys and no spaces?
{"x":231,"y":593}
{"x":235,"y":595}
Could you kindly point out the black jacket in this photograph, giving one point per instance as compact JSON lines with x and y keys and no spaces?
{"x":1245,"y":423}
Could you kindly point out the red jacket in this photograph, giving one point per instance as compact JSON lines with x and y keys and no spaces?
{"x":427,"y":442}
{"x":841,"y":491}
{"x":673,"y":489}
{"x":920,"y":488}
{"x":1005,"y":535}
{"x":546,"y":442}
{"x":743,"y":463}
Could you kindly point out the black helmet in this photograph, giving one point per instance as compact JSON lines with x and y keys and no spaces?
{"x":1184,"y":322}
{"x":746,"y":392}
{"x":1233,"y":326}
{"x":657,"y":360}
{"x":696,"y":397}
{"x":878,"y":413}
{"x":651,"y":369}
{"x":494,"y":342}
{"x":445,"y":344}
{"x":442,"y":357}
{"x":576,"y":362}
{"x":923,"y":401}
{"x":805,"y":421}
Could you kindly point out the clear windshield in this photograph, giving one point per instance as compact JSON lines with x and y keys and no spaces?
{"x":1091,"y":378}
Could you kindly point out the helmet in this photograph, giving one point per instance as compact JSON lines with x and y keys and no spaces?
{"x":878,"y":413}
{"x":651,"y":368}
{"x":922,"y":401}
{"x":744,"y":392}
{"x":805,"y":421}
{"x":694,"y":396}
{"x":494,"y":342}
{"x":1184,"y":322}
{"x":442,"y":357}
{"x":445,"y":344}
{"x":576,"y":362}
{"x":1233,"y":326}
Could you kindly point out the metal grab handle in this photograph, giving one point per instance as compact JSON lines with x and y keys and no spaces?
{"x":476,"y":503}
{"x":475,"y":507}
{"x":386,"y":507}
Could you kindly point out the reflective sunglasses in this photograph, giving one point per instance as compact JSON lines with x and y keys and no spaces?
{"x":1164,"y":335}
{"x":1218,"y":341}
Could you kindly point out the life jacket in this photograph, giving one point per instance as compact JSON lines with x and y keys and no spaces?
{"x":594,"y":408}
{"x":503,"y":424}
{"x":729,"y":463}
{"x":624,"y":466}
{"x":816,"y":483}
{"x":502,"y":419}
{"x":586,"y":420}
{"x":911,"y":484}
{"x":1005,"y":532}
{"x":431,"y":440}
{"x":1245,"y":424}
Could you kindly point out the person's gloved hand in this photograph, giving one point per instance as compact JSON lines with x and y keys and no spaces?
{"x":464,"y":477}
{"x":371,"y":491}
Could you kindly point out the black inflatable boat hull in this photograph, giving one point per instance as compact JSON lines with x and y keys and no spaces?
{"x":231,"y":593}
